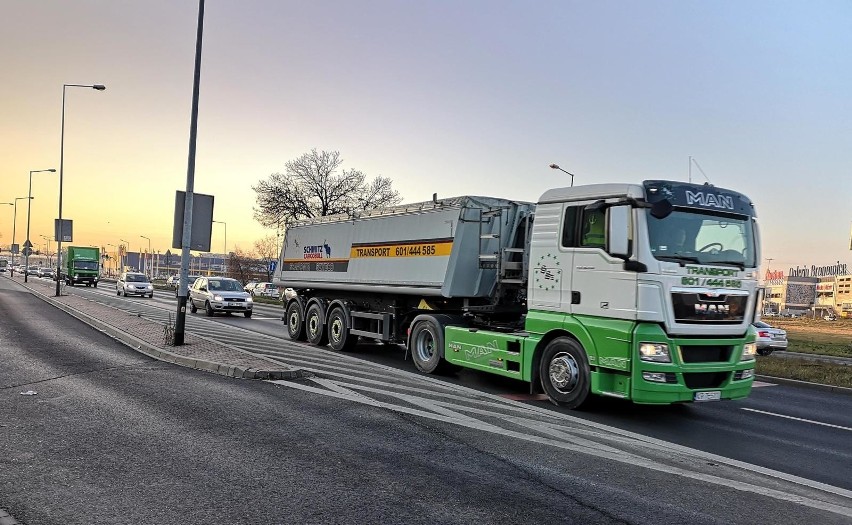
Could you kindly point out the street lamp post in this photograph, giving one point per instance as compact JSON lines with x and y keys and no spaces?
{"x":98,"y":87}
{"x":556,"y":167}
{"x":29,"y":205}
{"x":225,"y":253}
{"x":15,"y":221}
{"x":126,"y":245}
{"x":147,"y":269}
{"x":49,"y":260}
{"x":10,"y":248}
{"x":114,"y":261}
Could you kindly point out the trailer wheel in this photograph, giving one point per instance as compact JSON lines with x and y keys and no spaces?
{"x":315,"y":326}
{"x":295,"y":321}
{"x":427,"y":345}
{"x":339,"y":337}
{"x":564,"y":372}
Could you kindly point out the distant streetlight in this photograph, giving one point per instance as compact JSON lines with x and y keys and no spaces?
{"x":29,"y":205}
{"x":10,"y":204}
{"x":147,"y":270}
{"x":556,"y":167}
{"x":15,"y":220}
{"x":123,"y":257}
{"x":49,"y":258}
{"x":98,"y":87}
{"x":225,"y":254}
{"x":115,"y":261}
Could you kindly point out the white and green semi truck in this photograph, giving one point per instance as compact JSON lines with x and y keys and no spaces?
{"x":643,"y":292}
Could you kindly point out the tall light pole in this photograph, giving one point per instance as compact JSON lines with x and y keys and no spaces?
{"x":147,"y":269}
{"x":98,"y":87}
{"x":10,"y":204}
{"x":15,"y":221}
{"x":225,"y":253}
{"x":49,"y":260}
{"x":116,"y":253}
{"x":29,"y":205}
{"x":556,"y":167}
{"x":186,"y":239}
{"x":126,"y":246}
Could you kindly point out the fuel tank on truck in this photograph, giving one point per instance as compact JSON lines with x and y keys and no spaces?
{"x":432,"y":248}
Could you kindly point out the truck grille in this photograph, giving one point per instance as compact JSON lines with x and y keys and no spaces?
{"x":706,"y":353}
{"x":704,"y":308}
{"x":705,"y":379}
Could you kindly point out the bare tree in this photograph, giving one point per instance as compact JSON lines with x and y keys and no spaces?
{"x":314,"y":185}
{"x":267,"y":250}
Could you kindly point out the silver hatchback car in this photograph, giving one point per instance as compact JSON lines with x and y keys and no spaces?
{"x":133,"y":283}
{"x":769,"y":338}
{"x":219,"y":294}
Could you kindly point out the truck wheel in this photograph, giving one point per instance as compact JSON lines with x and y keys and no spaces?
{"x":427,"y":345}
{"x":314,"y":326}
{"x":295,"y":321}
{"x":192,"y":307}
{"x":339,"y":337}
{"x":564,"y":372}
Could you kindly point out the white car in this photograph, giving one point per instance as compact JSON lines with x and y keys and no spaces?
{"x":769,"y":338}
{"x":134,"y":283}
{"x":219,"y":294}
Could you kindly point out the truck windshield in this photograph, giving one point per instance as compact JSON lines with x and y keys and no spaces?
{"x":702,"y":238}
{"x":85,"y":265}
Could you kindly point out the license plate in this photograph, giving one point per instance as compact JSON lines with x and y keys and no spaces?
{"x":708,"y":396}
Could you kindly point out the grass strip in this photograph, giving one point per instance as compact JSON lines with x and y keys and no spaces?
{"x":824,"y":373}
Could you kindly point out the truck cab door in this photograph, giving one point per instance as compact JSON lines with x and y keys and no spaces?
{"x":601,"y":287}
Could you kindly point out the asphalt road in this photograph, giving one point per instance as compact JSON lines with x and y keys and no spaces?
{"x":114,"y":437}
{"x":790,"y":429}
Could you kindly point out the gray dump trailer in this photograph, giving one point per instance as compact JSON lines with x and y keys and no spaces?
{"x":379,"y":269}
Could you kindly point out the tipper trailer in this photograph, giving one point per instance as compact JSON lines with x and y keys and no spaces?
{"x":642,"y":291}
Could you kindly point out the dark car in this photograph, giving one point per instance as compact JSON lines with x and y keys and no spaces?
{"x":769,"y":338}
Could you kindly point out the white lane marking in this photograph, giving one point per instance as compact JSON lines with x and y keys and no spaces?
{"x":759,"y":384}
{"x":620,"y":457}
{"x":797,"y":419}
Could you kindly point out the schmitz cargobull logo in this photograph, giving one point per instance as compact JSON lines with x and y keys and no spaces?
{"x":317,"y":251}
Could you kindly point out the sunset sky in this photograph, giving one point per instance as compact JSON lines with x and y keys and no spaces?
{"x":455,"y":97}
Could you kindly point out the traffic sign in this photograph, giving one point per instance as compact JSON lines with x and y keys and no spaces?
{"x":273,"y":265}
{"x":28,"y":244}
{"x":27,"y":251}
{"x":15,"y":249}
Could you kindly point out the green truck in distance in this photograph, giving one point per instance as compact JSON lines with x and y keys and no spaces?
{"x":82,"y":265}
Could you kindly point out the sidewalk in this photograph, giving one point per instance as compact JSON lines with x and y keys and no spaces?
{"x":148,"y":336}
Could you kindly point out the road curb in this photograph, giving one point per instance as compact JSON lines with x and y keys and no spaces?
{"x":8,"y":519}
{"x":163,"y":355}
{"x":805,"y":384}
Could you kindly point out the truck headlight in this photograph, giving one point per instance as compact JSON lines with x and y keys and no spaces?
{"x":749,"y":351}
{"x":656,"y":352}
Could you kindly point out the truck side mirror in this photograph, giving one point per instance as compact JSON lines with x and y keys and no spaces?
{"x":618,"y":233}
{"x":661,"y":209}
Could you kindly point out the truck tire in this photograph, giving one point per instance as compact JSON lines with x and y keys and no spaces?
{"x":564,"y":373}
{"x":295,"y":319}
{"x":315,"y":325}
{"x":426,"y":343}
{"x":339,"y":337}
